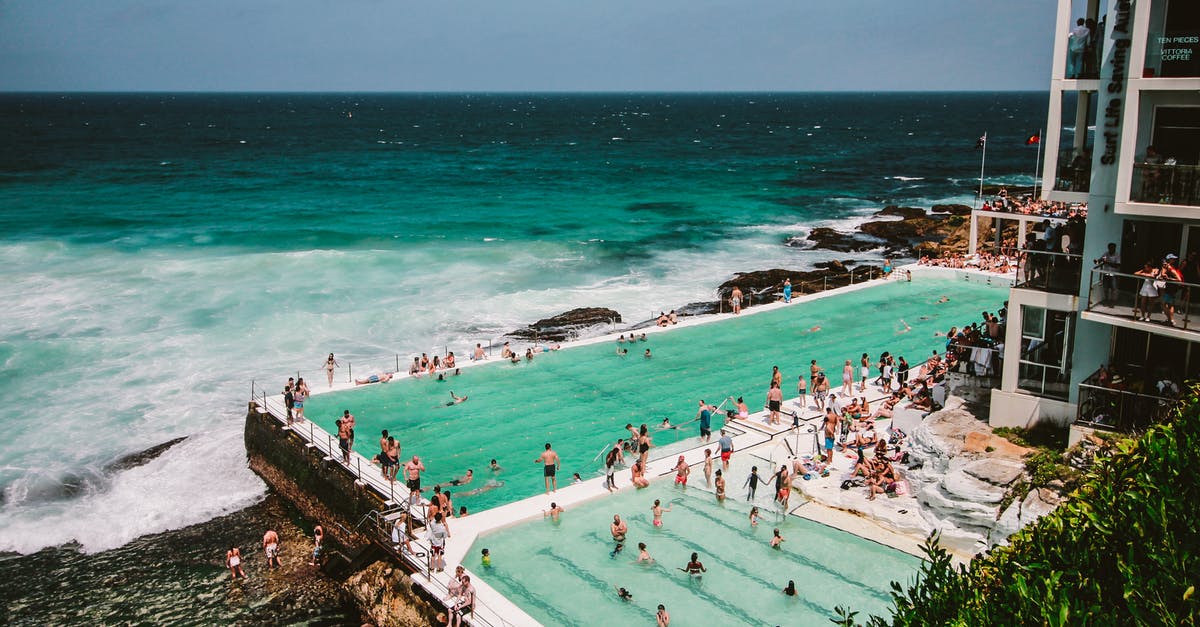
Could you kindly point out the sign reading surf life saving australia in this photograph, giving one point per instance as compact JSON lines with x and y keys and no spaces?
{"x":1117,"y":77}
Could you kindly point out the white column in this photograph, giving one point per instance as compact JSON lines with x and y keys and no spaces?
{"x":974,"y":233}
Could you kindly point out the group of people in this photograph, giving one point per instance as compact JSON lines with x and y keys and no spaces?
{"x":1083,"y":48}
{"x":271,"y":551}
{"x":1027,"y":204}
{"x":988,"y":262}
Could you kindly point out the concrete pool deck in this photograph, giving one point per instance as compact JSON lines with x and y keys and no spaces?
{"x":752,"y":436}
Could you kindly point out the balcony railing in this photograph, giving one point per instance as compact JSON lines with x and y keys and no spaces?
{"x":1121,"y":405}
{"x":1128,"y":296}
{"x":1074,"y":173}
{"x":1166,"y":184}
{"x":1057,"y":273}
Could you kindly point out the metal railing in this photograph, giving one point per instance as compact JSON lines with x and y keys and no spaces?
{"x":1074,"y":171}
{"x":1166,"y":184}
{"x":379,"y":526}
{"x":980,"y":361}
{"x":1049,"y":272}
{"x":1121,"y":294}
{"x":1114,"y":409}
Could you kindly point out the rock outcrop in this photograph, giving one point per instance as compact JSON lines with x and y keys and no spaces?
{"x":567,"y":324}
{"x":389,"y":598}
{"x":962,"y":475}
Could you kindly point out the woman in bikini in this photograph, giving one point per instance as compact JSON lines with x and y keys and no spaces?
{"x":657,"y":511}
{"x":330,"y":364}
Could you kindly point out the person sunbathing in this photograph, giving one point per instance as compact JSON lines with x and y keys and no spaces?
{"x":374,"y":378}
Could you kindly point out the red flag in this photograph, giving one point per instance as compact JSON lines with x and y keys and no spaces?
{"x":1033,"y":139}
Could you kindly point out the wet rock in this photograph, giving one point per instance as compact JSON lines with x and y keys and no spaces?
{"x":830,"y":239}
{"x":764,"y":286}
{"x":140,"y":458}
{"x":563,"y":326}
{"x":955,"y":209}
{"x":903,"y":212}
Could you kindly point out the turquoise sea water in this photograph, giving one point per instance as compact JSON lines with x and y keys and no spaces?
{"x":566,"y":573}
{"x":580,"y":399}
{"x":161,"y":251}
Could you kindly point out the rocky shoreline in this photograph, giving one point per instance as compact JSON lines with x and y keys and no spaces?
{"x":900,"y":233}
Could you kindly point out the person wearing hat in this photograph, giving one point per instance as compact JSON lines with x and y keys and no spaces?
{"x":1169,"y":273}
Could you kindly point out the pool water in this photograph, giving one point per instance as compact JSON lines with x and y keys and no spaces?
{"x":580,"y":398}
{"x":565,"y":573}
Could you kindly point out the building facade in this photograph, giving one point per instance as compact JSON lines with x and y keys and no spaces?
{"x":1090,"y":342}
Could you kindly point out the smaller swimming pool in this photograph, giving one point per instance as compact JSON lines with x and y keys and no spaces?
{"x":567,"y":573}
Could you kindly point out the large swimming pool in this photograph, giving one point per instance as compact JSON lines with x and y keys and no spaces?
{"x":566,"y":573}
{"x":579,"y":399}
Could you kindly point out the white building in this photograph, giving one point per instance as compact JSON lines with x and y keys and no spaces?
{"x":1138,"y":85}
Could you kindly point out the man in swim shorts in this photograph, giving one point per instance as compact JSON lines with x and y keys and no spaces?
{"x":271,"y":548}
{"x":726,"y":444}
{"x":550,"y":460}
{"x":412,"y":476}
{"x":682,"y":470}
{"x":830,"y":427}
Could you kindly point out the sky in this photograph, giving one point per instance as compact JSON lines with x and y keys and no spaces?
{"x":525,"y":45}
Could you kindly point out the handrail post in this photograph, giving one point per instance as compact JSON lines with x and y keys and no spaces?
{"x":851,"y":277}
{"x":825,"y":277}
{"x":349,"y":371}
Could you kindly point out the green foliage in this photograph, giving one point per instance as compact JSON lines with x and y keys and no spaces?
{"x":1124,"y":549}
{"x":1044,"y":467}
{"x":1044,"y":435}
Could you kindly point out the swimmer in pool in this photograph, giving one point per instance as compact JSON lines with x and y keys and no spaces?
{"x":456,"y":399}
{"x":491,"y":484}
{"x":694,"y":566}
{"x":657,"y":511}
{"x":463,"y":480}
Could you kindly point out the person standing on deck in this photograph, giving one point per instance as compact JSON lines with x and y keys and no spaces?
{"x":704,"y":415}
{"x":330,"y":364}
{"x":787,"y":290}
{"x":830,"y":426}
{"x":774,"y":402}
{"x":299,"y":395}
{"x":289,"y":399}
{"x":343,"y":434}
{"x":726,"y":444}
{"x":551,"y":462}
{"x":735,"y":300}
{"x":348,"y":420}
{"x":412,"y":477}
{"x":865,"y":371}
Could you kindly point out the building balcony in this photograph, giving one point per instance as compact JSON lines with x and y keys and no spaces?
{"x":1057,"y":273}
{"x":1123,"y":300}
{"x":1165,"y":184}
{"x":1073,"y":172}
{"x":1116,"y":403}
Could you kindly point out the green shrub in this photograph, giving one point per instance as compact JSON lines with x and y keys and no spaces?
{"x":1124,"y":549}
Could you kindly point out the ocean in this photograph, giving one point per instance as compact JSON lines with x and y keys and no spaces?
{"x":163,"y":251}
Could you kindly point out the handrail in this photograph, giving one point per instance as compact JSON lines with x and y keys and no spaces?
{"x":1123,"y":294}
{"x":1166,"y":184}
{"x":313,"y":435}
{"x":1048,"y":271}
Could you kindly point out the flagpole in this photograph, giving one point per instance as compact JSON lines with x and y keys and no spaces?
{"x":982,"y":160}
{"x":1037,"y":165}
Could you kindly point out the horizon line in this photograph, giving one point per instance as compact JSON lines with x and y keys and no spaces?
{"x":523,"y":92}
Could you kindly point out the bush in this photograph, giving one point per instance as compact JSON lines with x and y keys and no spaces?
{"x":1124,"y":549}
